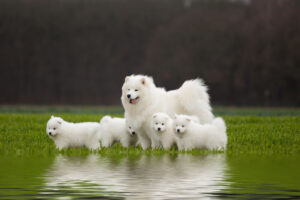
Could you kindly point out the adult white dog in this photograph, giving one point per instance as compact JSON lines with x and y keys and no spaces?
{"x":141,"y":99}
{"x":192,"y":135}
{"x":67,"y":134}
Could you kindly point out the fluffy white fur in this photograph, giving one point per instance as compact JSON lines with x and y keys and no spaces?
{"x":116,"y":130}
{"x":162,"y":127}
{"x":67,"y":134}
{"x":141,"y":99}
{"x":193,"y":135}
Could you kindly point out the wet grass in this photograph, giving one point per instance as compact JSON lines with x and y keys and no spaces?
{"x":272,"y":132}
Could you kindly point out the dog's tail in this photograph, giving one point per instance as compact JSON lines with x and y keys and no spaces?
{"x":194,"y":98}
{"x":219,"y":123}
{"x":106,"y":118}
{"x":195,"y":89}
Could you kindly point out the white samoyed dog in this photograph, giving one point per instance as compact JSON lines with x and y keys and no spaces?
{"x":67,"y":134}
{"x":141,"y":99}
{"x":201,"y":136}
{"x":116,"y":130}
{"x":162,"y":126}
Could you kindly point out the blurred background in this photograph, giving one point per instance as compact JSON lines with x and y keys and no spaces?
{"x":78,"y":52}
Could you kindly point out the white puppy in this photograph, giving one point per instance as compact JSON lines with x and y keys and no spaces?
{"x":67,"y":134}
{"x":141,"y":99}
{"x":162,"y":126}
{"x":116,"y":130}
{"x":194,"y":135}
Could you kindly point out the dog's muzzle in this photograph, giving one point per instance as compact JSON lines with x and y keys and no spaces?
{"x":132,"y":133}
{"x":133,"y":101}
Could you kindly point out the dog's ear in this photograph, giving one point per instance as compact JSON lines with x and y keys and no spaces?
{"x":59,"y":120}
{"x":143,"y":81}
{"x":126,"y":78}
{"x":52,"y":116}
{"x":154,"y":116}
{"x":188,"y":119}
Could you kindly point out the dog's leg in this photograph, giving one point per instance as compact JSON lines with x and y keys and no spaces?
{"x":125,"y":142}
{"x":144,"y":142}
{"x":60,"y":145}
{"x":94,"y":145}
{"x":107,"y":142}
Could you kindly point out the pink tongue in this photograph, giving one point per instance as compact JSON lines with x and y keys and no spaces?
{"x":133,"y":101}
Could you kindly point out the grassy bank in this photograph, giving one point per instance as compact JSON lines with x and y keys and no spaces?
{"x":118,"y":110}
{"x":258,"y":132}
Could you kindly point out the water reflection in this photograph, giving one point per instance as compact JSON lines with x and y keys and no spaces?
{"x":143,"y":177}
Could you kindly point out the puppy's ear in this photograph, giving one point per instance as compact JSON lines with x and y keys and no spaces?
{"x":154,"y":116}
{"x":188,"y":119}
{"x":59,"y":120}
{"x":143,"y":81}
{"x":52,"y":116}
{"x":126,"y":78}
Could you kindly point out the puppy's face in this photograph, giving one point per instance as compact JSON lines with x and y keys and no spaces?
{"x":133,"y":89}
{"x":160,"y":122}
{"x":181,"y":123}
{"x":130,"y":129}
{"x":53,"y":126}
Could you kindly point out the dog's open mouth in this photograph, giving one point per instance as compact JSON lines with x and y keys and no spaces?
{"x":133,"y":101}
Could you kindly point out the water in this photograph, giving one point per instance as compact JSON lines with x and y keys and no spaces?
{"x":181,"y":176}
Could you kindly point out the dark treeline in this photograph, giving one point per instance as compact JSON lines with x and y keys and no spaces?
{"x":79,"y":51}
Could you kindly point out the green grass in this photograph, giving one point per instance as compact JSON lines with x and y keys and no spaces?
{"x":118,"y":110}
{"x":23,"y":134}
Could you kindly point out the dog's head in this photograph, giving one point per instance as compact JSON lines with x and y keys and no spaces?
{"x":130,"y":129}
{"x":53,"y":126}
{"x":105,"y":119}
{"x":135,"y":88}
{"x":181,"y":123}
{"x":160,"y":122}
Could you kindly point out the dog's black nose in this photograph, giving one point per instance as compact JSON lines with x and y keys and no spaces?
{"x":158,"y":129}
{"x":50,"y":133}
{"x":128,"y":96}
{"x":133,"y":133}
{"x":178,"y":130}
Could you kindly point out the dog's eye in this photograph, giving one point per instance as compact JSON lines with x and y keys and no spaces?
{"x":162,"y":124}
{"x":54,"y":128}
{"x":129,"y":127}
{"x":156,"y":123}
{"x":136,"y":90}
{"x":182,"y":126}
{"x":128,"y":89}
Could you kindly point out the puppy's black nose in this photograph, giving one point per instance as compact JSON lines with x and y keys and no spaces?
{"x":50,"y":133}
{"x":158,"y":129}
{"x":128,"y":96}
{"x":133,"y":133}
{"x":178,"y":130}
